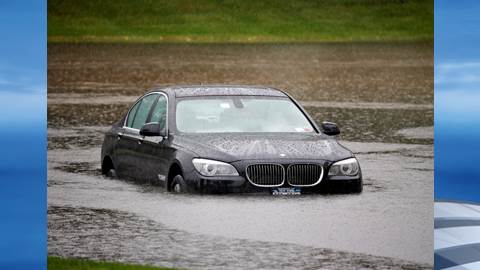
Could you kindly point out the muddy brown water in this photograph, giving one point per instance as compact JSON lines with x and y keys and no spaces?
{"x":380,"y":94}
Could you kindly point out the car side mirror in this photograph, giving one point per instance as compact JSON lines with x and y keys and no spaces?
{"x":330,"y":128}
{"x":152,"y":129}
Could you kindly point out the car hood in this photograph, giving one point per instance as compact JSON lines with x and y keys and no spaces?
{"x":233,"y":147}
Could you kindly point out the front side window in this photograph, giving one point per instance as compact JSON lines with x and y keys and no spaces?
{"x":131,"y":114}
{"x":240,"y":114}
{"x":139,"y":113}
{"x":159,"y":113}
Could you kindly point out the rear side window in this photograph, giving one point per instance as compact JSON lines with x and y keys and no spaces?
{"x":159,"y":113}
{"x":139,"y":113}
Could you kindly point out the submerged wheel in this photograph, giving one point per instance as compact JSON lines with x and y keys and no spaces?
{"x":178,"y":185}
{"x":108,"y":169}
{"x":111,"y":174}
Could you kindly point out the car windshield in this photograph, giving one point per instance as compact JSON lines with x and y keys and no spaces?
{"x":239,"y":114}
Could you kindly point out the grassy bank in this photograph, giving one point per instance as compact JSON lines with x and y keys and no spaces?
{"x":55,"y":263}
{"x":239,"y":21}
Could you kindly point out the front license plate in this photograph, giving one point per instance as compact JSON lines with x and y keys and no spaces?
{"x":286,"y":191}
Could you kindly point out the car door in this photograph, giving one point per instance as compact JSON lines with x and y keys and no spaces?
{"x":153,"y":150}
{"x":129,"y":139}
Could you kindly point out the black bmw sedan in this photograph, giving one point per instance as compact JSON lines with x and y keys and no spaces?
{"x":225,"y":138}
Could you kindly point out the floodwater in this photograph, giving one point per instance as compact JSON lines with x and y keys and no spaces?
{"x":381,"y":95}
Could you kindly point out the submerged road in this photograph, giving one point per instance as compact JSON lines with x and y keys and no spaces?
{"x":386,"y":220}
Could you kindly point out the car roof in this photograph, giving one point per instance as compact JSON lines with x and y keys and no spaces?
{"x":221,"y":90}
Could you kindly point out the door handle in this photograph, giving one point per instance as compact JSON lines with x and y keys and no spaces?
{"x":119,"y":135}
{"x":140,"y":141}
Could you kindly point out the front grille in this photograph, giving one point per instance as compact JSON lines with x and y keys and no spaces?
{"x":266,"y":175}
{"x":304,"y":174}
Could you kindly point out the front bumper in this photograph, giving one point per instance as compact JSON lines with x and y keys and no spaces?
{"x":204,"y":183}
{"x":241,"y":184}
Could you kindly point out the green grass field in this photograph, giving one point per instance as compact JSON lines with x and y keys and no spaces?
{"x":55,"y":263}
{"x":204,"y":21}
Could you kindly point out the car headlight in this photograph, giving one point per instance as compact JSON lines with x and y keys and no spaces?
{"x":347,"y":167}
{"x":208,"y":167}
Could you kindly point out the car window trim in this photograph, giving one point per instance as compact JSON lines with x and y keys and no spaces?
{"x":140,"y":100}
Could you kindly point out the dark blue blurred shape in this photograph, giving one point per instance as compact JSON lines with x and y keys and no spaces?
{"x":23,"y":196}
{"x":457,"y":165}
{"x":23,"y":185}
{"x":457,"y":100}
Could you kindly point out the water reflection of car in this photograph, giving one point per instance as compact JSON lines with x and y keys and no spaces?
{"x":228,"y":138}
